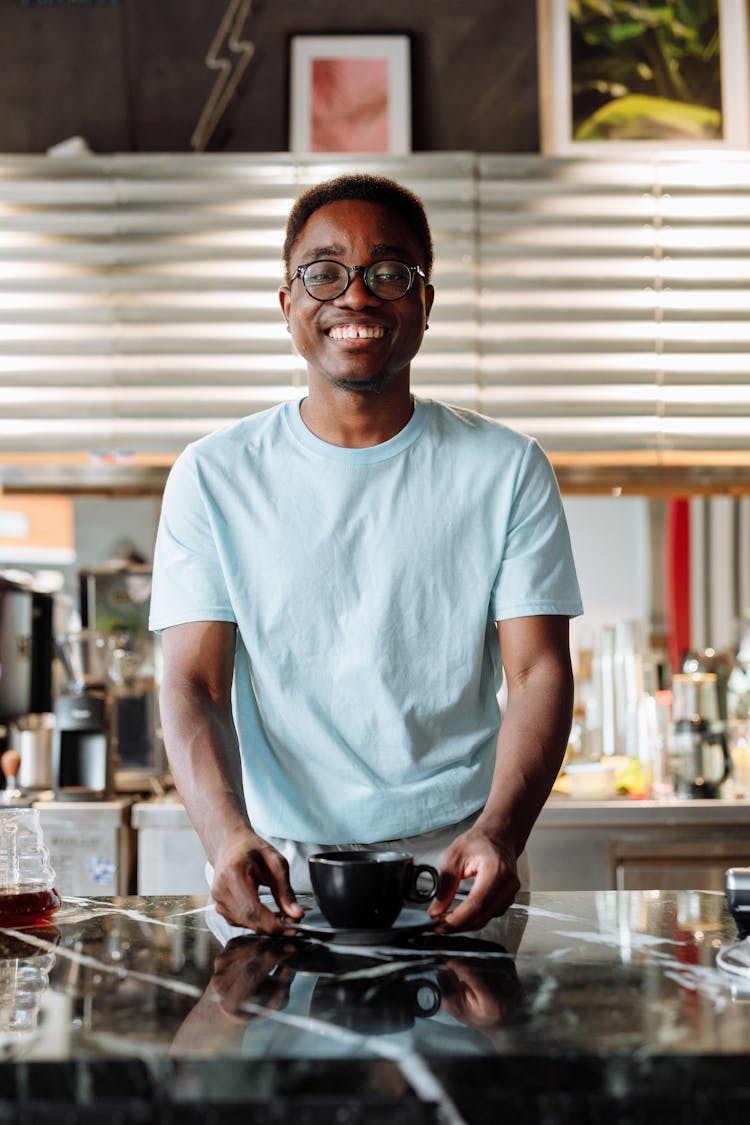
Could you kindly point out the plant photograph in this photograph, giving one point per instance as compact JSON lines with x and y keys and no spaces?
{"x":645,"y":71}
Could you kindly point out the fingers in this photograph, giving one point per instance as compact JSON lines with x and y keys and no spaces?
{"x":495,"y":882}
{"x":278,"y":881}
{"x":246,"y":910}
{"x":488,"y":898}
{"x":447,"y":886}
{"x":235,"y":890}
{"x":455,"y":865}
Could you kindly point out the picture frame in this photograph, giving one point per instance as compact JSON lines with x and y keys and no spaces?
{"x":571,"y":122}
{"x":350,"y":93}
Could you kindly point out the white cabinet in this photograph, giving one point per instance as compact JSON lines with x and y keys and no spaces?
{"x":629,"y":845}
{"x":171,"y":860}
{"x":91,"y":846}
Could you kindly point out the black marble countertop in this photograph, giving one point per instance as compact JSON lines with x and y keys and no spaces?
{"x":575,"y":1007}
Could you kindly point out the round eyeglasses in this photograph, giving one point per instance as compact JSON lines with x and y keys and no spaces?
{"x":326,"y":280}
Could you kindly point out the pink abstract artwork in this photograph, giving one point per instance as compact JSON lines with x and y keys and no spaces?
{"x":350,"y":105}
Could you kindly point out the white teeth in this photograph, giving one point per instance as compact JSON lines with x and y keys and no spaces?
{"x":356,"y":332}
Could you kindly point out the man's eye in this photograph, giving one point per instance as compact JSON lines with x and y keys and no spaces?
{"x":388,"y":273}
{"x":320,"y":276}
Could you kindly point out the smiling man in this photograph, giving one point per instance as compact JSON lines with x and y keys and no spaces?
{"x":340,"y":583}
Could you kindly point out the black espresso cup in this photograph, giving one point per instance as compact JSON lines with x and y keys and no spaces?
{"x":365,"y":890}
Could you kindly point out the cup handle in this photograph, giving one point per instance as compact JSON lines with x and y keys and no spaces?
{"x":414,"y":894}
{"x":427,"y":997}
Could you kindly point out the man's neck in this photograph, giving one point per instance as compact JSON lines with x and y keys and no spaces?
{"x":357,"y":420}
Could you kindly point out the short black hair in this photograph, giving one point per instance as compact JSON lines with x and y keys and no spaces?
{"x":369,"y":189}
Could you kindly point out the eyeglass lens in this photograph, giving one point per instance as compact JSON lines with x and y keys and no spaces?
{"x":327,"y":280}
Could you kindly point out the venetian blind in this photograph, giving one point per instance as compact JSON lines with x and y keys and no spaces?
{"x":138,"y":295}
{"x":595,"y":304}
{"x":613,"y":300}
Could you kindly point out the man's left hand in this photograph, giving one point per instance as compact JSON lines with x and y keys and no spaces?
{"x":492,"y":866}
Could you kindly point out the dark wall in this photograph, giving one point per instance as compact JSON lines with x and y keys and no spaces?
{"x":130,"y":75}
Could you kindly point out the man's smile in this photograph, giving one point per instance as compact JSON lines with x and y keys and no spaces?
{"x":356,"y":332}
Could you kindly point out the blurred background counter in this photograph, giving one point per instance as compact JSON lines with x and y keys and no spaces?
{"x":149,"y":847}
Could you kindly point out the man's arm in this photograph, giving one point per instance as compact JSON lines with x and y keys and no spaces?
{"x":201,"y":744}
{"x":530,"y":748}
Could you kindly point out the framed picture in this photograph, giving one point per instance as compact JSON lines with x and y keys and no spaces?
{"x":350,"y":93}
{"x":627,"y":77}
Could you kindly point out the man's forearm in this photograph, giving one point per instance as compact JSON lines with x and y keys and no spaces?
{"x":530,"y":749}
{"x":201,"y":745}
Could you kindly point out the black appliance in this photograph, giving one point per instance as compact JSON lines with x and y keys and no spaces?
{"x":80,"y":747}
{"x":42,"y":652}
{"x":16,"y":615}
{"x":81,"y":740}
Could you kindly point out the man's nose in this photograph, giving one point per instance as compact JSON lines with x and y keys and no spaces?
{"x":357,"y":295}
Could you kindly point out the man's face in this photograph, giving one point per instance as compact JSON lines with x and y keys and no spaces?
{"x":357,"y":341}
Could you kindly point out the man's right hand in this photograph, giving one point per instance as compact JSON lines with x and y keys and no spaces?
{"x":240,"y":869}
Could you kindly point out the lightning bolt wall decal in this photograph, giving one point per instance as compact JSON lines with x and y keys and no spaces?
{"x":230,"y":69}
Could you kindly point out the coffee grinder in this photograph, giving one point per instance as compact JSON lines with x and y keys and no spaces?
{"x":115,"y":601}
{"x":81,"y":756}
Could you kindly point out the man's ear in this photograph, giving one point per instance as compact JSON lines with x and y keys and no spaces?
{"x":429,"y":297}
{"x":285,"y":299}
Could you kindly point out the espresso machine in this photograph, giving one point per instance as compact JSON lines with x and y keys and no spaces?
{"x":81,"y":738}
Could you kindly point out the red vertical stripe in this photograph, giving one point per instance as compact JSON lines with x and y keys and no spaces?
{"x":678,"y":581}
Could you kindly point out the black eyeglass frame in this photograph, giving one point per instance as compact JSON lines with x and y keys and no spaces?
{"x":414,"y":271}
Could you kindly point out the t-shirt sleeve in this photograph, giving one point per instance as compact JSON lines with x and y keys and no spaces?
{"x":188,"y":579}
{"x":537,"y":573}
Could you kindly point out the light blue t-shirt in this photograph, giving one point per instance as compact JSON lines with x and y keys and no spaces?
{"x":365,"y":585}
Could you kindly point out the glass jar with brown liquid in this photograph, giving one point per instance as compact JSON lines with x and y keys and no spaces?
{"x":27,"y":891}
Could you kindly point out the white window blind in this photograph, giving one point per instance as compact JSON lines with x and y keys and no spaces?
{"x":613,"y":300}
{"x":597,"y":304}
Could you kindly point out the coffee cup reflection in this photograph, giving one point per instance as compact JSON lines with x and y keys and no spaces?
{"x":375,"y":1008}
{"x":366,"y":890}
{"x":480,"y":992}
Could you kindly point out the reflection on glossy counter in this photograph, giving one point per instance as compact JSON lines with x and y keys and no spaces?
{"x":571,"y":998}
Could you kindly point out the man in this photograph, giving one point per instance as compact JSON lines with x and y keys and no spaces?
{"x":338,"y":582}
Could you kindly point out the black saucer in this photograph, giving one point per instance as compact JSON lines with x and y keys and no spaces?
{"x":408,"y":923}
